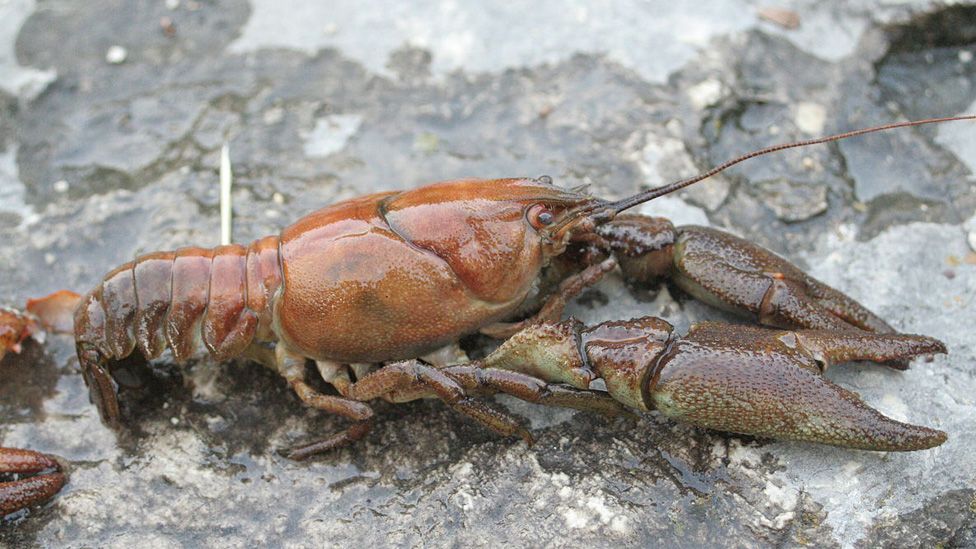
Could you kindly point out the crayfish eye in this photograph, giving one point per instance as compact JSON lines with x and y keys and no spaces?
{"x":540,"y":216}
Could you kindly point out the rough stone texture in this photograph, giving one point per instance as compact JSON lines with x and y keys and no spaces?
{"x":102,"y":161}
{"x":793,"y":202}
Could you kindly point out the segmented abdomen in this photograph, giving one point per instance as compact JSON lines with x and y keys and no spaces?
{"x":220,"y":298}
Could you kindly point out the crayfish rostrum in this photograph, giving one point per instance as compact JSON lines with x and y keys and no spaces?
{"x":372,"y":289}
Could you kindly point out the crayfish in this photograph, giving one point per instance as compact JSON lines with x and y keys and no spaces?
{"x":373,"y":290}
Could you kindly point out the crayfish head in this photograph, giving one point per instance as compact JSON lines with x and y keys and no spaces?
{"x":492,"y":232}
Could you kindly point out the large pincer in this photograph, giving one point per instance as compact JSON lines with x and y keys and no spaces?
{"x":761,"y":382}
{"x":742,"y":379}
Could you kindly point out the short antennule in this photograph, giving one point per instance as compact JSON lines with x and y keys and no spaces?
{"x":631,"y":201}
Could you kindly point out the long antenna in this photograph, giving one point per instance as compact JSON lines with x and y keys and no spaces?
{"x":651,"y":194}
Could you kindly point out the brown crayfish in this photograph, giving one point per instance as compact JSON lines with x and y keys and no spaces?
{"x":371,"y":288}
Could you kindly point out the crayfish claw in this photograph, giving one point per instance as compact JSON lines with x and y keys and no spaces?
{"x":893,"y":350}
{"x":25,"y":491}
{"x":769,"y":383}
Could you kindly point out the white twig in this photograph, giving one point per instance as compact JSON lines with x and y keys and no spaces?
{"x":226,"y":208}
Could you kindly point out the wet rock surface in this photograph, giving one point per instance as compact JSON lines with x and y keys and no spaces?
{"x":101,"y":161}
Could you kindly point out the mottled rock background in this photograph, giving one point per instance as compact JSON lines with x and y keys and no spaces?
{"x":111,"y":119}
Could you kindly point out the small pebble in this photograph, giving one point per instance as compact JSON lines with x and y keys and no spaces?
{"x":965,"y":56}
{"x":61,"y":186}
{"x":426,"y":142}
{"x":172,"y":4}
{"x":705,"y":93}
{"x":810,"y":117}
{"x":174,"y":420}
{"x":788,"y":19}
{"x":273,"y":115}
{"x":949,"y":273}
{"x":116,"y":55}
{"x":169,"y":29}
{"x":278,"y":198}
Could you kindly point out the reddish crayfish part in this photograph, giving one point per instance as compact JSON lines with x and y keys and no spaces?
{"x":15,"y":327}
{"x":32,"y":490}
{"x":358,"y":276}
{"x":55,"y":311}
{"x":51,"y":313}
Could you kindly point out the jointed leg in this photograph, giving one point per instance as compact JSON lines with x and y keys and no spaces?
{"x":335,"y":374}
{"x":406,"y":375}
{"x":357,"y":411}
{"x":339,"y":440}
{"x":477,"y":380}
{"x":534,"y":390}
{"x":412,"y":376}
{"x":102,"y":388}
{"x":292,"y":367}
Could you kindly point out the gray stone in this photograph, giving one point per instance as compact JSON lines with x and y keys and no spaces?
{"x":17,"y":79}
{"x":791,"y":201}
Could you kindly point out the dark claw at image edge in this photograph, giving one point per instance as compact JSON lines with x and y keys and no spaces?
{"x":38,"y":479}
